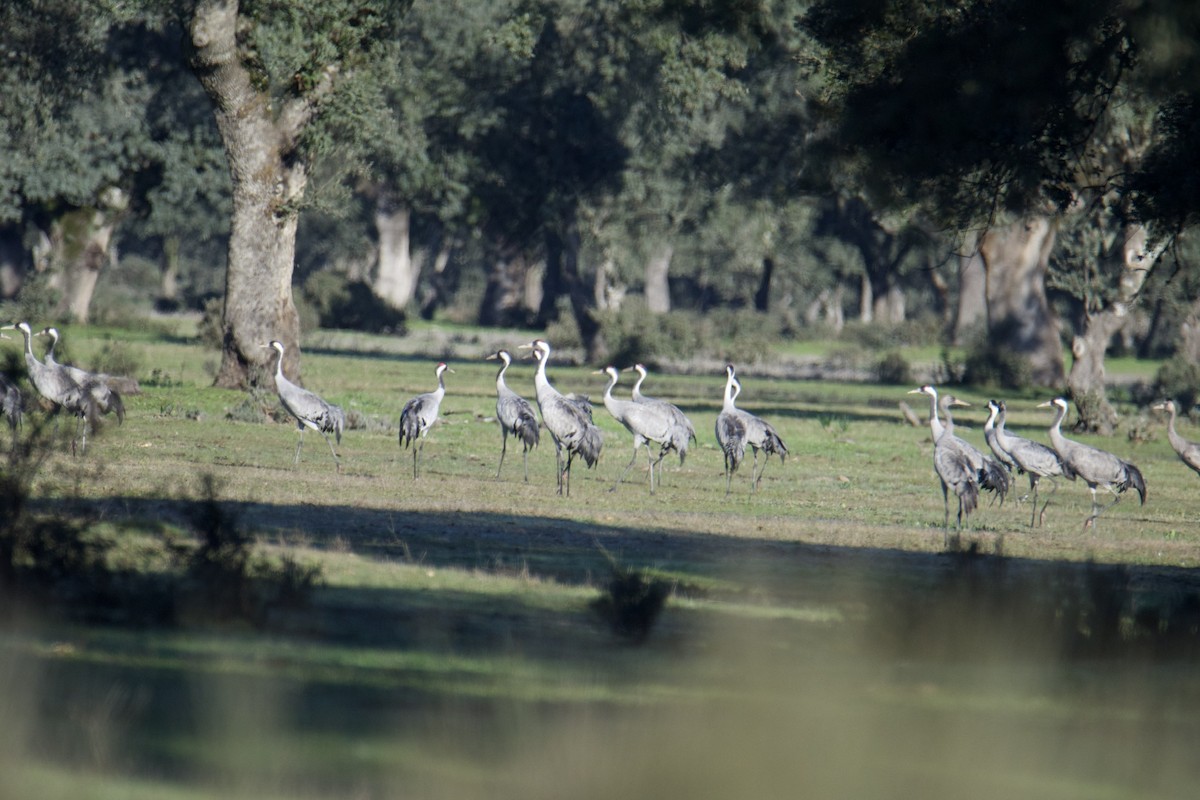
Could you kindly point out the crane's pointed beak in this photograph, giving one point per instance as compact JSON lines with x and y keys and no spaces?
{"x":1046,"y":404}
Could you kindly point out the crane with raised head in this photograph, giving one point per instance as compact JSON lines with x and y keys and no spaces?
{"x":682,"y":429}
{"x":1098,"y":468}
{"x":951,"y":463}
{"x":60,"y":390}
{"x":108,"y":400}
{"x":731,"y":432}
{"x":646,"y":422}
{"x":990,"y":474}
{"x":309,"y":410}
{"x":760,"y":435}
{"x":1189,"y":452}
{"x":514,"y":413}
{"x":568,"y":418}
{"x":420,"y":414}
{"x":1035,"y":459}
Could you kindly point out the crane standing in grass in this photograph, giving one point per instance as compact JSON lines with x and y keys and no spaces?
{"x":760,"y":435}
{"x":731,"y":431}
{"x":1033,"y":458}
{"x":990,"y":475}
{"x":107,"y":399}
{"x":951,"y":464}
{"x":682,"y":430}
{"x":1097,"y":467}
{"x":309,"y":410}
{"x":1189,"y":452}
{"x":646,"y":422}
{"x":60,"y":390}
{"x":419,"y":415}
{"x":568,"y":418}
{"x":514,"y":414}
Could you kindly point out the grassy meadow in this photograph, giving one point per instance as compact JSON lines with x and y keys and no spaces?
{"x":818,"y":637}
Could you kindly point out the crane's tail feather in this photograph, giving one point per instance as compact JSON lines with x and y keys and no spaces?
{"x":527,"y":429}
{"x":590,"y":444}
{"x":994,"y":477}
{"x":1133,"y":477}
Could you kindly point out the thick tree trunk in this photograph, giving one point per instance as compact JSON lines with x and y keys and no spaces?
{"x":972,"y":294}
{"x":658,"y":288}
{"x":168,"y":275}
{"x":269,"y":177}
{"x":1086,"y":380}
{"x":762,"y":298}
{"x":1016,"y":258}
{"x":82,"y":243}
{"x":13,"y":261}
{"x":562,"y":259}
{"x":396,"y":281}
{"x":503,"y":298}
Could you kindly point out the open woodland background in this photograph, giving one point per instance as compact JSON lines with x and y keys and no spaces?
{"x":845,"y":199}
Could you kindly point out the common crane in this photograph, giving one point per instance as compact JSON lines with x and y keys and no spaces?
{"x":647,"y":423}
{"x":951,"y":464}
{"x":682,"y":430}
{"x":759,"y":433}
{"x":569,"y":419}
{"x":1097,"y":467}
{"x":514,"y":413}
{"x":108,"y":400}
{"x":309,"y":410}
{"x":1189,"y":452}
{"x":419,"y":415}
{"x":59,"y":389}
{"x":990,"y":475}
{"x":731,"y":431}
{"x":1033,"y":458}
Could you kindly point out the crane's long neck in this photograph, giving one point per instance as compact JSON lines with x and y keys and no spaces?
{"x":53,"y":344}
{"x":1176,"y":440}
{"x":935,"y":424}
{"x":1056,"y":437}
{"x":730,"y":394}
{"x":636,"y":391}
{"x":948,"y":427}
{"x":1001,"y":434}
{"x":540,"y":382}
{"x":500,"y":376}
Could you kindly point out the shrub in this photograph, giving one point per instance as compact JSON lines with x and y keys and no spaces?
{"x":1178,"y":379}
{"x":342,"y":303}
{"x":893,"y":369}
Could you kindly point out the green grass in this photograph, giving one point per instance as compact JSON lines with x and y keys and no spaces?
{"x":817,"y":639}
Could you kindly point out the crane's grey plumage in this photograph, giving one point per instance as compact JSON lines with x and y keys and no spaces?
{"x":951,"y":464}
{"x":309,"y":410}
{"x":59,"y":389}
{"x":514,"y":413}
{"x":989,"y":435}
{"x":731,"y":431}
{"x":568,"y":418}
{"x":1033,"y":458}
{"x":419,"y":415}
{"x":1097,"y":467}
{"x":646,"y":422}
{"x":759,"y":433}
{"x":108,"y":400}
{"x":682,"y":429}
{"x":1189,"y":452}
{"x":990,"y":474}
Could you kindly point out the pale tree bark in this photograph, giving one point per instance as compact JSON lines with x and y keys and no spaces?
{"x":658,"y":289}
{"x":971,"y":310}
{"x":396,"y":280}
{"x":1086,"y":381}
{"x":13,"y":261}
{"x":607,"y":289}
{"x":81,"y":242}
{"x":1016,"y":258}
{"x":168,"y":276}
{"x":269,"y":176}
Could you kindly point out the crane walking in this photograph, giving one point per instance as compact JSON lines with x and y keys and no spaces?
{"x":419,"y":415}
{"x":514,"y":413}
{"x":1033,"y":458}
{"x":107,"y":399}
{"x":760,"y":435}
{"x":682,"y":430}
{"x":309,"y":410}
{"x":647,"y":423}
{"x":60,"y":390}
{"x":568,"y":418}
{"x":1097,"y":467}
{"x":1189,"y":452}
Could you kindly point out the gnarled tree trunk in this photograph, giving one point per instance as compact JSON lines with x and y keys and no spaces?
{"x":81,"y":243}
{"x":396,"y":280}
{"x":658,"y":288}
{"x":972,"y":292}
{"x":1016,"y":258}
{"x":269,"y":177}
{"x":1086,"y":379}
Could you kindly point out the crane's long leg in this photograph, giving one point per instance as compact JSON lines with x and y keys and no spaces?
{"x":754,"y":474}
{"x":1097,"y":509}
{"x":337,"y":462}
{"x":525,"y":461}
{"x":567,"y":471}
{"x":417,"y":457}
{"x":1033,"y":488}
{"x":1053,"y":490}
{"x":628,"y":466}
{"x":558,"y":461}
{"x":503,"y":449}
{"x":299,"y":443}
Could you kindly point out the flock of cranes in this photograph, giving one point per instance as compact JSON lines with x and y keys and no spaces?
{"x":659,"y":426}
